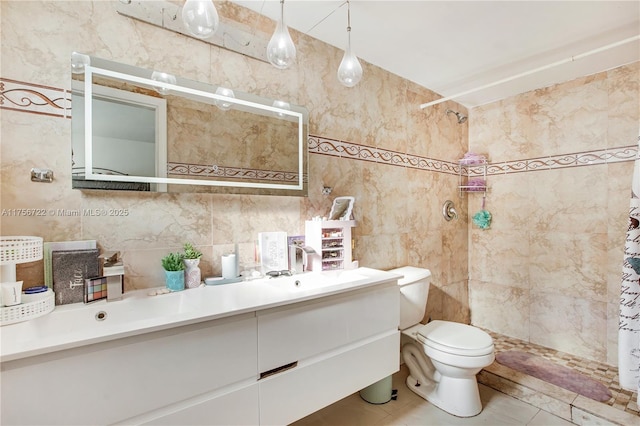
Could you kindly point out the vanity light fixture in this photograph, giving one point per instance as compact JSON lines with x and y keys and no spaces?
{"x":350,"y":70}
{"x":200,"y":17}
{"x":163,"y":77}
{"x":281,"y":52}
{"x":223,"y":91}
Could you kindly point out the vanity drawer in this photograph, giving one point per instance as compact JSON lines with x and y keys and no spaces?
{"x":239,"y":407}
{"x":113,"y":381}
{"x":287,"y":335}
{"x":311,"y":386}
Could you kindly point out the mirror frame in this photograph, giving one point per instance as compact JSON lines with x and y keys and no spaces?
{"x":193,"y":89}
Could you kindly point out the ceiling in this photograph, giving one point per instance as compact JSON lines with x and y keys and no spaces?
{"x":452,"y":47}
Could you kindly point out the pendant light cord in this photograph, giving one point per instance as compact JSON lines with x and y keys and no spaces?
{"x":323,"y":19}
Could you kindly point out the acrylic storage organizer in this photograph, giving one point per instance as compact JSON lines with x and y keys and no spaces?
{"x":332,"y":240}
{"x":41,"y":305}
{"x":17,"y":249}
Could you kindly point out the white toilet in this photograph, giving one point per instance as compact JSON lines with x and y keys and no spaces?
{"x":443,"y":356}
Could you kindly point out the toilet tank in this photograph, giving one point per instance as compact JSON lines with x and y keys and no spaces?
{"x":414,"y":290}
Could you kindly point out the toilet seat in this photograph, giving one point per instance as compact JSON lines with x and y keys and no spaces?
{"x":455,"y":338}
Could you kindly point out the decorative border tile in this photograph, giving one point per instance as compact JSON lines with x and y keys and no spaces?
{"x":578,"y":159}
{"x":353,"y":151}
{"x":342,"y":149}
{"x":36,"y":99}
{"x":203,"y":170}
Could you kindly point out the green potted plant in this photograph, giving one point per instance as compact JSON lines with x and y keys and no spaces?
{"x":174,"y":271}
{"x":191,"y":260}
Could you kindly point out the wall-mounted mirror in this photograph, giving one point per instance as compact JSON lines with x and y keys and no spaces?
{"x":144,"y":130}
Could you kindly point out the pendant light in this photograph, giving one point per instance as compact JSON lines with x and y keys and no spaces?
{"x":350,"y":70}
{"x":200,"y":17}
{"x":281,"y":51}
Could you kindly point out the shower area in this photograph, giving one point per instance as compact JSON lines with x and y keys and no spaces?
{"x":560,"y":167}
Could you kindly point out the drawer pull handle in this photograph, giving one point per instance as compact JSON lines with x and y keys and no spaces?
{"x":278,"y":370}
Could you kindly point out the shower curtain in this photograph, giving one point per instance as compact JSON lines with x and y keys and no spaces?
{"x":629,"y":326}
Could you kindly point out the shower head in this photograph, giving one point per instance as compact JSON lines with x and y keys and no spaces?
{"x":461,"y":117}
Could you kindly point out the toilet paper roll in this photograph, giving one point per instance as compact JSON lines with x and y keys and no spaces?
{"x":229,"y":269}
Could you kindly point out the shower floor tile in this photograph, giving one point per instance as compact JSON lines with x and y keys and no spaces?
{"x":622,"y":400}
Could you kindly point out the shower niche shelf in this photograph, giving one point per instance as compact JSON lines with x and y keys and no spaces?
{"x":472,"y":176}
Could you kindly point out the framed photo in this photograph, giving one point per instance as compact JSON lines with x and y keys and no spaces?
{"x":342,"y":208}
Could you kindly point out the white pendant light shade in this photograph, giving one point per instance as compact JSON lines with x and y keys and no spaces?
{"x":200,"y":17}
{"x":281,"y":52}
{"x":350,"y":70}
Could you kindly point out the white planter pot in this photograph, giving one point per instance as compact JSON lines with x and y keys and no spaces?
{"x":192,"y":274}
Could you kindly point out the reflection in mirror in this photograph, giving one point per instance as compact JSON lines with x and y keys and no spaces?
{"x":129,"y":138}
{"x":136,"y":129}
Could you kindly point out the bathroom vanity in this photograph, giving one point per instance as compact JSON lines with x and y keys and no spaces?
{"x":256,"y":352}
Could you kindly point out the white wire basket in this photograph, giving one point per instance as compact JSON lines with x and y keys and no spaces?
{"x":29,"y":310}
{"x":20,"y":249}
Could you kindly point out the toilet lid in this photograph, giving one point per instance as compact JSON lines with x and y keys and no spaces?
{"x":456,"y":338}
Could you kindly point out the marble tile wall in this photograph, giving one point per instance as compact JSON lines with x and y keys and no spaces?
{"x":399,"y":188}
{"x":559,"y":178}
{"x":558,"y":175}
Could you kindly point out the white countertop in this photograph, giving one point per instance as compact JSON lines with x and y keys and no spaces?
{"x":75,"y":325}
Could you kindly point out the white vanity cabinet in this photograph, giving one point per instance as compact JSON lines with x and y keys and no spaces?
{"x":197,"y":374}
{"x":318,"y":352}
{"x":281,"y":355}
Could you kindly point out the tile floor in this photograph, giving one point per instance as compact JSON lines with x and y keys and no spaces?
{"x":621,"y":399}
{"x":621,"y":409}
{"x":508,"y":398}
{"x":410,"y":409}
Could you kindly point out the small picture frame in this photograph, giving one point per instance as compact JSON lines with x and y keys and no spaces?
{"x":342,"y":208}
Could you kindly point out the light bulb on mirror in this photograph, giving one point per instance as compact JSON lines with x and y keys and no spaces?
{"x":78,"y":62}
{"x":163,"y":77}
{"x":281,"y":52}
{"x":223,"y":91}
{"x":200,"y":17}
{"x":281,"y":105}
